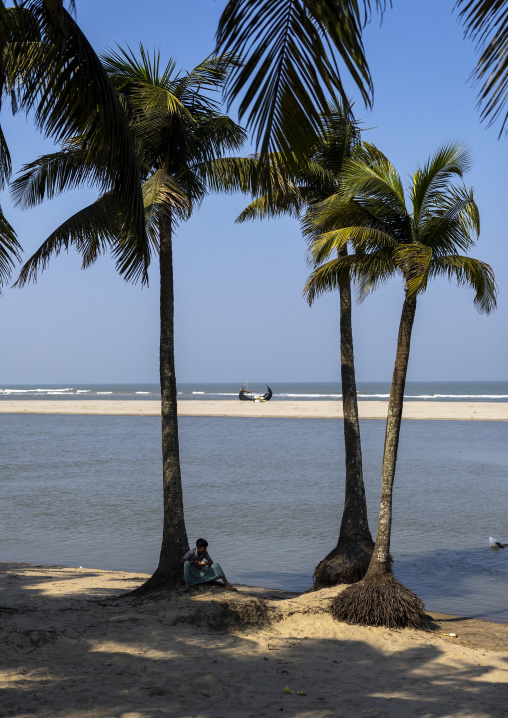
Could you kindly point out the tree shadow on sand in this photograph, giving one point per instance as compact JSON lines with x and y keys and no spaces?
{"x":72,"y":655}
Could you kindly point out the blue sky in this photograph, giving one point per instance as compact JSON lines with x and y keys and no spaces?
{"x":239,"y":309}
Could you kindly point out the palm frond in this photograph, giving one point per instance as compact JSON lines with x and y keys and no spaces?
{"x":213,"y":135}
{"x":454,"y":222}
{"x":367,"y":271}
{"x":469,"y":272}
{"x":450,"y":160}
{"x":277,"y":204}
{"x":209,"y":76}
{"x":370,"y":175}
{"x":62,"y":80}
{"x":362,"y":239}
{"x":289,"y":68}
{"x":486,"y":23}
{"x":10,"y":249}
{"x":229,"y":174}
{"x":327,"y":277}
{"x":163,"y":197}
{"x":125,"y":69}
{"x":5,"y":161}
{"x":148,"y":98}
{"x":52,"y":174}
{"x":338,"y":211}
{"x":414,"y":262}
{"x":90,"y":231}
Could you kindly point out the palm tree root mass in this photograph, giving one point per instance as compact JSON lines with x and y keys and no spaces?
{"x":346,"y":563}
{"x":379,"y":600}
{"x":170,"y":580}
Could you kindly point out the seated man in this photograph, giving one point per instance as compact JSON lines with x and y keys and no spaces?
{"x":198,"y":567}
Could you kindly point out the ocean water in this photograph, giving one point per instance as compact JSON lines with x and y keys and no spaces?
{"x":267,"y":494}
{"x":282,"y":391}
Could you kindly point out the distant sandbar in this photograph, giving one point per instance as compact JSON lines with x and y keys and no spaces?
{"x":427,"y":410}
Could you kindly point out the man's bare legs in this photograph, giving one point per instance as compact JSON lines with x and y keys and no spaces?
{"x":228,"y":585}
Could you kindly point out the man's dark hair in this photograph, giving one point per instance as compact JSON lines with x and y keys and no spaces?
{"x":201,"y":542}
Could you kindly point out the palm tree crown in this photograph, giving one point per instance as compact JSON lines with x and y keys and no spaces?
{"x":180,"y":136}
{"x":420,"y":243}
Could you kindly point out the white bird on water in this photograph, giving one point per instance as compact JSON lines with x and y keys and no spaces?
{"x":494,"y":543}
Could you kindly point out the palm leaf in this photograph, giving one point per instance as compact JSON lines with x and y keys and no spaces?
{"x":62,"y":80}
{"x":228,"y":174}
{"x":51,"y":174}
{"x":92,"y":231}
{"x":368,"y":271}
{"x":163,"y":198}
{"x":10,"y":249}
{"x":289,"y":68}
{"x":486,"y":22}
{"x":5,"y":161}
{"x":469,"y":272}
{"x":453,"y":224}
{"x":433,"y":179}
{"x":362,"y":239}
{"x":88,"y":230}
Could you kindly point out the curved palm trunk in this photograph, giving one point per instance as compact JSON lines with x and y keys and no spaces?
{"x":380,"y":599}
{"x":174,"y":535}
{"x":381,"y":560}
{"x":349,"y":560}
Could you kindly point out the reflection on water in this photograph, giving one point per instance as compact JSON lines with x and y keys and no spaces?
{"x":267,"y":494}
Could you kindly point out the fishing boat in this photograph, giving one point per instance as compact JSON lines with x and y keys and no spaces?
{"x":247,"y":394}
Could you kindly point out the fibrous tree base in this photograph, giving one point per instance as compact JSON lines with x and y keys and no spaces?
{"x":347,"y":563}
{"x":160,"y":581}
{"x":379,"y":600}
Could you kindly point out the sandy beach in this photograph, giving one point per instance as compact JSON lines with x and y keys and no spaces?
{"x":72,"y":647}
{"x":437,"y":410}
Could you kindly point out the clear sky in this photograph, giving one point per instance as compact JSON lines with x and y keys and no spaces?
{"x":239,"y":310}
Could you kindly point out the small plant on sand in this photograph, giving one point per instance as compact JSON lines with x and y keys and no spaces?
{"x":418,"y":244}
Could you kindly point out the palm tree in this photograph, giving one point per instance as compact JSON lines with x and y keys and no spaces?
{"x":319,"y":177}
{"x":180,"y":137}
{"x":289,"y":71}
{"x":419,"y":244}
{"x":48,"y":68}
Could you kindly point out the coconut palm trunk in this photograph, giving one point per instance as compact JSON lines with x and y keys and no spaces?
{"x":174,"y":535}
{"x":381,"y":560}
{"x":380,"y":599}
{"x":349,"y":560}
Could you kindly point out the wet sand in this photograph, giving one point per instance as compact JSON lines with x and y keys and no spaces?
{"x":427,"y":410}
{"x":71,"y":647}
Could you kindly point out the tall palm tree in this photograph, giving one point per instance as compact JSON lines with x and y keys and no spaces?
{"x":419,"y":243}
{"x":289,"y":72}
{"x":320,"y":176}
{"x":180,"y":135}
